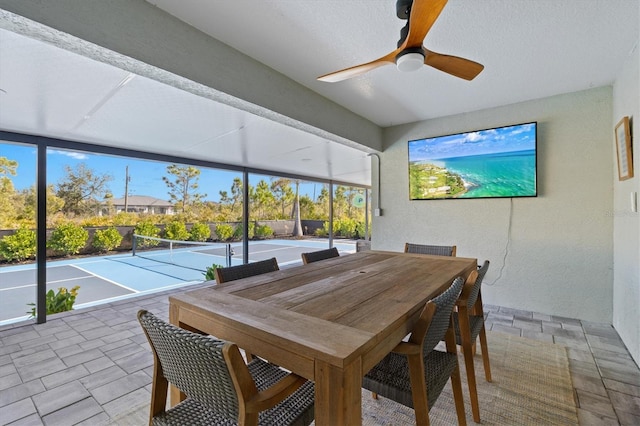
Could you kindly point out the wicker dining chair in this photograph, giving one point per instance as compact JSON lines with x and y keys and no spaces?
{"x":415,"y":372}
{"x":232,"y":273}
{"x":468,"y":321}
{"x":220,"y":388}
{"x":430,"y":249}
{"x":315,"y":256}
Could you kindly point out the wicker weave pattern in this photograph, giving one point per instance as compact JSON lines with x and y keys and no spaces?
{"x":390,"y":377}
{"x":315,"y":256}
{"x":429,"y":249}
{"x":196,"y":365}
{"x":442,"y":318}
{"x":237,"y":272}
{"x":473,"y":296}
{"x":475,"y":323}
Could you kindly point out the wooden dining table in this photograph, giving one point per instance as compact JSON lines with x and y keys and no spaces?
{"x":328,"y":321}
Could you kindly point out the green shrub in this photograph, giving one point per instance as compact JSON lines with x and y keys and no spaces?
{"x":344,"y":227}
{"x":68,"y":238}
{"x":210,"y":274}
{"x":106,"y":239}
{"x":19,"y":246}
{"x":360,"y":230}
{"x":148,"y":229}
{"x":224,"y":231}
{"x":176,"y":230}
{"x":324,"y":231}
{"x":200,"y":232}
{"x":61,"y":301}
{"x":264,"y":231}
{"x":238,"y":232}
{"x":125,"y":219}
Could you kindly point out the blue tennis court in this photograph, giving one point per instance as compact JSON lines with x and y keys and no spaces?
{"x":107,"y":278}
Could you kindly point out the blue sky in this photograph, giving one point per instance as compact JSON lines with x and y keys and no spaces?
{"x":145,"y":176}
{"x":505,"y":139}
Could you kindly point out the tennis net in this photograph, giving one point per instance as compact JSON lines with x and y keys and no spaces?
{"x":194,"y":255}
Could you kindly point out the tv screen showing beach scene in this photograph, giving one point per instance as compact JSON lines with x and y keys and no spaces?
{"x":491,"y":163}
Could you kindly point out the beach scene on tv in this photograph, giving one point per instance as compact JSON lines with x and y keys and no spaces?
{"x":498,"y":162}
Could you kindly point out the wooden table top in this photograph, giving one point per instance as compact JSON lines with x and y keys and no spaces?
{"x":335,"y":310}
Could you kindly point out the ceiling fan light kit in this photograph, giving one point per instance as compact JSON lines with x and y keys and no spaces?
{"x":410,"y":60}
{"x":411,"y":54}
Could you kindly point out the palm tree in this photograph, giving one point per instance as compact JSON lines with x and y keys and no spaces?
{"x":297,"y":224}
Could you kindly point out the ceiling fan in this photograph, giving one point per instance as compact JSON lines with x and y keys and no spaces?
{"x":411,"y":54}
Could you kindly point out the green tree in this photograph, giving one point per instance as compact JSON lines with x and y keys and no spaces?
{"x":283,"y":194}
{"x":8,"y":210}
{"x":55,"y":204}
{"x":231,"y":204}
{"x":323,"y":203}
{"x":340,"y":201}
{"x":261,"y":199}
{"x":308,"y":209}
{"x":183,"y":186}
{"x":82,"y":189}
{"x":8,"y":167}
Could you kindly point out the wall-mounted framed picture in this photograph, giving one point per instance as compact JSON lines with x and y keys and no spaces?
{"x":623,"y":149}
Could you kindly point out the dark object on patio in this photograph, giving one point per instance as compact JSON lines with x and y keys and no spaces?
{"x":468,"y":320}
{"x":415,"y":372}
{"x":220,"y":387}
{"x":429,"y":249}
{"x":315,"y":256}
{"x":237,"y":272}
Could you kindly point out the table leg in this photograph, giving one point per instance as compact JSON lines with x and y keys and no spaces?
{"x":338,"y":397}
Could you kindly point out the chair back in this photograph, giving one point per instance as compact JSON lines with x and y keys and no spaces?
{"x":192,"y":362}
{"x":432,"y":330}
{"x":315,"y":256}
{"x":232,"y":273}
{"x":475,"y":291}
{"x":430,"y":249}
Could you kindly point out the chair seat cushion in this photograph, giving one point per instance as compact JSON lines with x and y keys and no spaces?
{"x":297,"y":409}
{"x":390,"y":377}
{"x":476,"y":324}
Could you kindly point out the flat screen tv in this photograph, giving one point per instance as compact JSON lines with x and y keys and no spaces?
{"x":491,"y":163}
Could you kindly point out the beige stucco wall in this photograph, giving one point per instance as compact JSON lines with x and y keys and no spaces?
{"x":626,"y":223}
{"x":551,"y":254}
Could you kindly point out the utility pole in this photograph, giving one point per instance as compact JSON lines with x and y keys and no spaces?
{"x":126,"y":189}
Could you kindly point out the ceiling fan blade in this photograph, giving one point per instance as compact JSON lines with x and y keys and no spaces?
{"x":423,"y":15}
{"x":458,"y":67}
{"x":359,"y":69}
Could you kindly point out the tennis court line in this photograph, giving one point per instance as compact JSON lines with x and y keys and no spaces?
{"x":155,"y":271}
{"x":105,"y":279}
{"x":275,"y":249}
{"x":18,"y":287}
{"x":49,"y":282}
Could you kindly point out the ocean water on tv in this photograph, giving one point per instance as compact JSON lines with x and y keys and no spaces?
{"x":510,"y":174}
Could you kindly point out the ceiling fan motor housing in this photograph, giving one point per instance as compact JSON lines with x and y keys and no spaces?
{"x":403,"y":8}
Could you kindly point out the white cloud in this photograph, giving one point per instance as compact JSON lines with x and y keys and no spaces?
{"x":72,"y":154}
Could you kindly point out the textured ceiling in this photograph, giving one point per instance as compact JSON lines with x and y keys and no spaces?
{"x":530,"y":48}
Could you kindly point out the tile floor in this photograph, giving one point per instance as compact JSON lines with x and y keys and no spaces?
{"x":88,"y":366}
